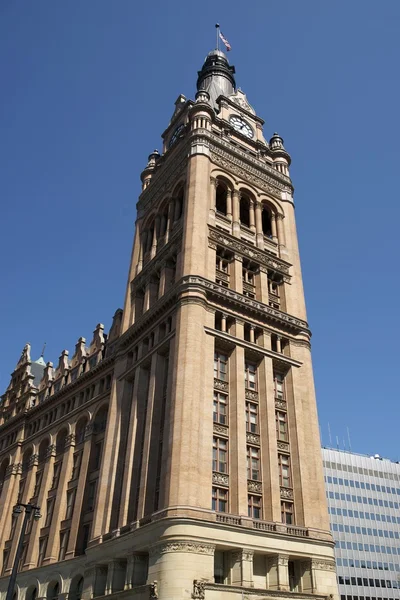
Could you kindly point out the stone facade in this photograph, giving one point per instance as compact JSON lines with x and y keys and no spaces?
{"x":179,"y":456}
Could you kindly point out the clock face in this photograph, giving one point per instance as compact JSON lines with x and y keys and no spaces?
{"x":176,"y":134}
{"x":241,"y":126}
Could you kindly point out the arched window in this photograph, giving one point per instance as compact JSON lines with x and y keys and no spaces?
{"x":266,"y":222}
{"x":3,"y":471}
{"x":53,"y":589}
{"x":80,"y":430}
{"x":76,"y":588}
{"x":60,"y":441}
{"x":31,"y":593}
{"x":221,"y":194}
{"x":179,"y":199}
{"x":245,"y":210}
{"x":25,"y":460}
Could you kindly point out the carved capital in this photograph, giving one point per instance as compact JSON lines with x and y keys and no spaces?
{"x":70,"y":440}
{"x":51,"y":451}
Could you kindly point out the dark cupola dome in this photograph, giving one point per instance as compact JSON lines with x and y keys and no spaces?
{"x":216,"y":76}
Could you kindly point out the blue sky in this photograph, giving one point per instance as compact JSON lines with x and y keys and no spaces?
{"x":86,"y":90}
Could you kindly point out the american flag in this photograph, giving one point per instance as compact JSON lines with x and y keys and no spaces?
{"x":223,"y":38}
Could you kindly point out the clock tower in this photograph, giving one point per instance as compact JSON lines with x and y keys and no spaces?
{"x":223,"y":466}
{"x":178,"y":456}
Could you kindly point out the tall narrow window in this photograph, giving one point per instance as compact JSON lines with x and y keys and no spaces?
{"x":91,"y":497}
{"x":42,"y":550}
{"x":221,"y":199}
{"x":284,"y":470}
{"x":253,"y":463}
{"x":85,"y":537}
{"x":6,"y":554}
{"x":281,"y":426}
{"x":64,"y":535}
{"x":220,"y":414}
{"x":220,"y":455}
{"x":279,"y":386}
{"x":70,"y":503}
{"x":76,"y":464}
{"x":220,"y":366}
{"x":287,"y":513}
{"x":38,"y":481}
{"x":250,"y":376}
{"x":254,"y":506}
{"x":49,"y":511}
{"x":251,"y":417}
{"x":219,"y":499}
{"x":56,"y":475}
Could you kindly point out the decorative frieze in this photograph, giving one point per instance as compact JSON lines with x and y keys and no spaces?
{"x":220,"y":479}
{"x":281,"y":404}
{"x":251,"y":395}
{"x":254,"y":486}
{"x":220,"y":429}
{"x":242,"y":249}
{"x":249,"y":303}
{"x":253,"y":438}
{"x":283,"y":446}
{"x":193,"y":547}
{"x":221,"y":386}
{"x":286,"y":493}
{"x":323,"y":565}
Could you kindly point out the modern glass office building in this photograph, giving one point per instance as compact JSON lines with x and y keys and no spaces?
{"x":363,"y":495}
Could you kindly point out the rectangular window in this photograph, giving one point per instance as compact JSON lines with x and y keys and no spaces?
{"x":253,"y":463}
{"x":220,"y":414}
{"x":284,"y":470}
{"x":95,"y":456}
{"x":64,"y":536}
{"x":85,"y":537}
{"x":281,"y":426}
{"x":279,"y":386}
{"x":287,"y":513}
{"x":70,"y":504}
{"x":76,"y":465}
{"x":251,"y":417}
{"x":220,"y":455}
{"x":91,"y":495}
{"x":56,"y":475}
{"x":250,"y":377}
{"x":221,"y":264}
{"x":42,"y":550}
{"x":6,"y":554}
{"x":254,"y":506}
{"x":220,"y":366}
{"x":22,"y":560}
{"x":49,"y":512}
{"x":38,"y":481}
{"x":219,"y":499}
{"x":14,"y":519}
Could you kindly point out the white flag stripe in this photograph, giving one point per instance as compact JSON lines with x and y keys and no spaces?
{"x":223,"y":38}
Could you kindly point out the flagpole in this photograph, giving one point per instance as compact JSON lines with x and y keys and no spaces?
{"x":217,"y":28}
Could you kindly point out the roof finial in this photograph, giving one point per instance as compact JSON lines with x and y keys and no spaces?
{"x":44,"y":347}
{"x":217,"y":28}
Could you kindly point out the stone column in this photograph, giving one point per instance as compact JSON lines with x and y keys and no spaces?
{"x":247,"y":568}
{"x":236,"y":213}
{"x":229,"y":204}
{"x":80,"y":491}
{"x":278,"y":343}
{"x":278,"y":572}
{"x":237,"y":429}
{"x":307,"y":585}
{"x":273,"y":227}
{"x":213,"y":199}
{"x":237,"y":274}
{"x":252,"y":334}
{"x":270,"y":483}
{"x":281,"y":230}
{"x":47,"y":477}
{"x":168,"y":225}
{"x":223,"y":322}
{"x":143,"y":240}
{"x":153,"y":249}
{"x":60,"y":502}
{"x":251,"y":215}
{"x":136,"y":571}
{"x":259,"y":230}
{"x":262,"y":291}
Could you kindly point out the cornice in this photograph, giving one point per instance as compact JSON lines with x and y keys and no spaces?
{"x":287,"y":360}
{"x":245,"y":303}
{"x":251,"y":252}
{"x":262,"y":592}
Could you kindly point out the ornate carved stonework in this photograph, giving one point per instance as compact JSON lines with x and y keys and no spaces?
{"x":247,"y":554}
{"x":253,"y":438}
{"x":250,"y":395}
{"x":199,"y":589}
{"x":238,"y":246}
{"x":286,"y":493}
{"x":33,"y":460}
{"x":153,"y":591}
{"x":220,"y":479}
{"x":51,"y":451}
{"x":228,"y":294}
{"x":323,"y":565}
{"x":193,"y":547}
{"x":280,"y":404}
{"x":254,"y":486}
{"x":70,"y":440}
{"x":284,"y":446}
{"x":221,"y":429}
{"x":222,"y":386}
